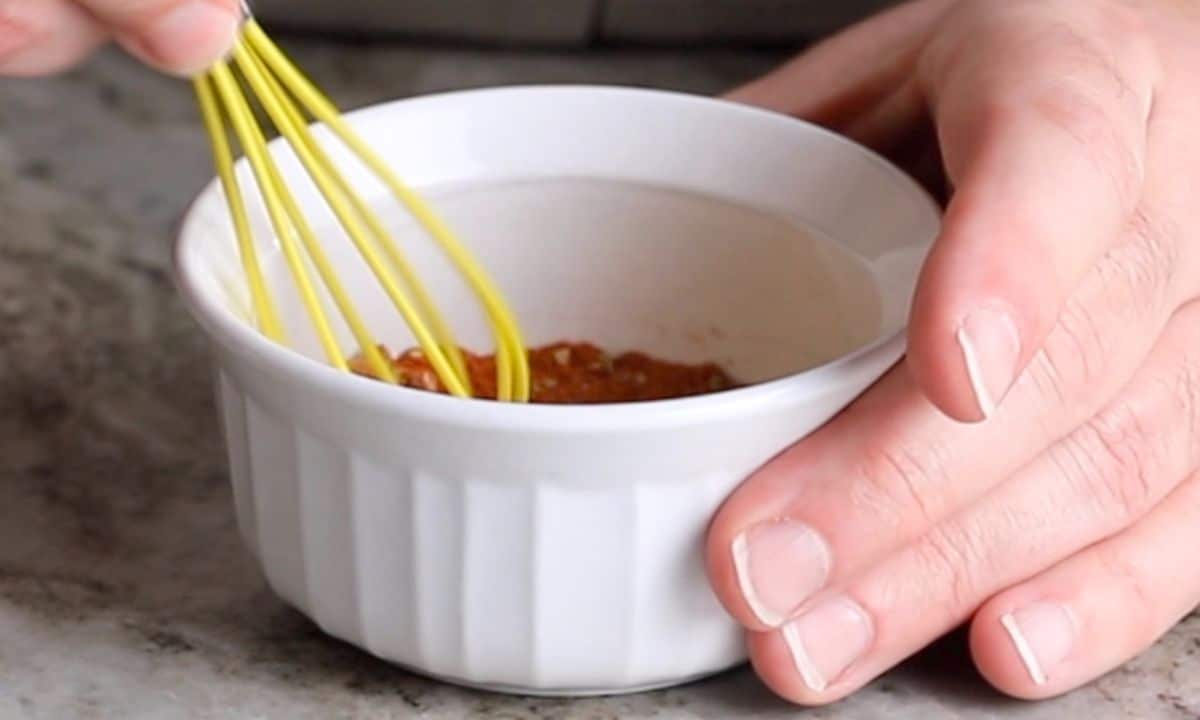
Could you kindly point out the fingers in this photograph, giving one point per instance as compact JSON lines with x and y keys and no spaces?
{"x":1098,"y":609}
{"x":1102,"y":478}
{"x":177,"y":36}
{"x":891,"y":467}
{"x":44,"y":36}
{"x":1047,"y":155}
{"x":839,"y":81}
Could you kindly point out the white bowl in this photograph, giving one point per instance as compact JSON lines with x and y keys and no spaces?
{"x":557,"y":549}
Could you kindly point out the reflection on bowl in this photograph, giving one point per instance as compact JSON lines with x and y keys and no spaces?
{"x":556,"y":549}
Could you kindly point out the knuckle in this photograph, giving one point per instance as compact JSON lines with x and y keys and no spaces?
{"x":896,"y":482}
{"x":1107,"y":142}
{"x":1092,"y":82}
{"x":1126,"y":456}
{"x":1073,"y":358}
{"x":1120,"y":454}
{"x":951,"y":563}
{"x":1133,"y":284}
{"x":1149,"y":261}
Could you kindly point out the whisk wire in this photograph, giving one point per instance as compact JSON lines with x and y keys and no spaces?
{"x":319,"y":171}
{"x":289,"y":222}
{"x":509,"y":341}
{"x":284,"y":94}
{"x":424,"y":305}
{"x":264,"y":309}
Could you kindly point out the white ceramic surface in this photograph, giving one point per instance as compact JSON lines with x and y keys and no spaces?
{"x":555,"y":549}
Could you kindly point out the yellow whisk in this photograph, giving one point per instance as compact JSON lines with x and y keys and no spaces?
{"x":292,"y":102}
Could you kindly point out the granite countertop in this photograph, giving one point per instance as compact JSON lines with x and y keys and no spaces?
{"x":124,"y":591}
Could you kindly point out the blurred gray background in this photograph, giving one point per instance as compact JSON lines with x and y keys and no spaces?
{"x":574,"y":23}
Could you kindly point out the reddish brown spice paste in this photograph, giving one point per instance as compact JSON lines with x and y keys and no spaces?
{"x":573,"y":373}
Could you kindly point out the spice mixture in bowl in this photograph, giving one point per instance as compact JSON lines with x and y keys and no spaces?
{"x":571,"y":373}
{"x":702,"y":284}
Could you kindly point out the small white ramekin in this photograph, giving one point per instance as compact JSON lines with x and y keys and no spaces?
{"x":540,"y":549}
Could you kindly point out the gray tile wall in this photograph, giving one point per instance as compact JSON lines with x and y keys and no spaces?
{"x":576,"y":22}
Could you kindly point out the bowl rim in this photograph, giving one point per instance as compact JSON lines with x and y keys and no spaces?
{"x":236,"y":336}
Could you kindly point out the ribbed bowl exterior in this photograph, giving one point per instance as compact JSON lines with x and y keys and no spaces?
{"x":540,"y":585}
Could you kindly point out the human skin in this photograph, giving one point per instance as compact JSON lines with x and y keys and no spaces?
{"x":177,"y":36}
{"x":1031,"y":466}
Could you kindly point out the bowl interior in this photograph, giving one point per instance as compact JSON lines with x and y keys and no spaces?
{"x":689,"y":228}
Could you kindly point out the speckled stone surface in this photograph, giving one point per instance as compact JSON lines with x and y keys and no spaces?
{"x":124,"y":592}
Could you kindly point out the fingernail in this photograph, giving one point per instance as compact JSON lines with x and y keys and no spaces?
{"x":1043,"y":635}
{"x":991,"y":348}
{"x":191,"y":36}
{"x":779,"y":565}
{"x":828,"y":639}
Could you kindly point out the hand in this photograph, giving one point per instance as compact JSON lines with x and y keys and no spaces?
{"x":1032,"y":466}
{"x":178,"y":36}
